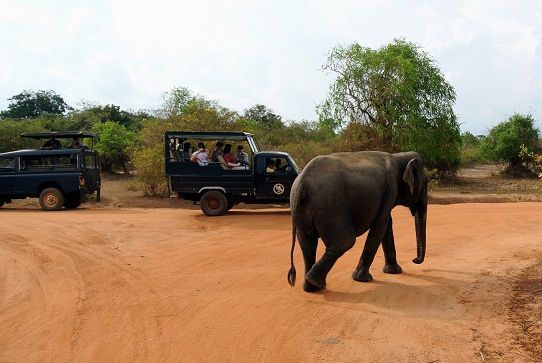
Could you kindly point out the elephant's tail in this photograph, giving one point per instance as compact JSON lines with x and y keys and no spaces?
{"x":292,"y":273}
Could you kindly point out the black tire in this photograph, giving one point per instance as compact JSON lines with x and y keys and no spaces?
{"x":214,"y":203}
{"x":72,"y":201}
{"x":2,"y":202}
{"x":51,"y":199}
{"x":98,"y":195}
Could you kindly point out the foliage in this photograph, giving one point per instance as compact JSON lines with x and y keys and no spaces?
{"x":470,"y":150}
{"x":180,"y":101}
{"x":149,"y":163}
{"x":433,"y":176}
{"x":533,"y":162}
{"x":114,"y":144}
{"x":468,"y":140}
{"x":504,"y":140}
{"x":30,"y":104}
{"x":11,"y":130}
{"x":264,"y":117}
{"x":398,"y":96}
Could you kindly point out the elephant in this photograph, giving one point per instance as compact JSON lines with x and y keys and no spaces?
{"x":340,"y":196}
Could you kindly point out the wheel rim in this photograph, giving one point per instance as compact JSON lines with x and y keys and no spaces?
{"x":50,"y":199}
{"x":213,"y":204}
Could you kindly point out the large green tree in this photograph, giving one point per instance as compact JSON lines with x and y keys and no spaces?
{"x":398,"y":97}
{"x":505,"y":139}
{"x":180,"y":100}
{"x":31,"y":104}
{"x":264,"y":117}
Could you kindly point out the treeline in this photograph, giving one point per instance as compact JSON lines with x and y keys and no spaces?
{"x":392,"y":99}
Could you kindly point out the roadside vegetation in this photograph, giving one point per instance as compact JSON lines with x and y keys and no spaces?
{"x":392,"y":99}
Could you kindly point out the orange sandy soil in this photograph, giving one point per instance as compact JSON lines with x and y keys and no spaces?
{"x":120,"y":284}
{"x":152,"y":279}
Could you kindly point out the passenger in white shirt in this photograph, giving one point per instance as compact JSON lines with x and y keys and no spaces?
{"x":201,"y":156}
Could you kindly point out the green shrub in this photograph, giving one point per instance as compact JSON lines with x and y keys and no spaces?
{"x":114,"y":144}
{"x":150,"y":173}
{"x":504,"y":140}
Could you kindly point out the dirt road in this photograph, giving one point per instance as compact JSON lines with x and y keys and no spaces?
{"x":119,"y":285}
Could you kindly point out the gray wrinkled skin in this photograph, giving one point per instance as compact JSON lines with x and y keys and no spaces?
{"x":339,"y":197}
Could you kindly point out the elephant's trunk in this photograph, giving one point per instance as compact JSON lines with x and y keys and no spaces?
{"x":420,"y":223}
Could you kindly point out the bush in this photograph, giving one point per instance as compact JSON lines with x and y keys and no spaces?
{"x":114,"y":144}
{"x":10,"y":134}
{"x":533,"y":162}
{"x":504,"y":140}
{"x":149,"y":163}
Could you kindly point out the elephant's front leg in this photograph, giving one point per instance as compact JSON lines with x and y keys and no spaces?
{"x":388,"y":245}
{"x":375,"y":236}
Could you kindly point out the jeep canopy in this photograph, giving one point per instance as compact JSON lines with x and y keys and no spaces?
{"x":215,"y":135}
{"x":59,"y":135}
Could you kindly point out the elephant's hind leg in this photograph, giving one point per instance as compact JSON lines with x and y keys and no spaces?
{"x":308,"y":246}
{"x":336,"y":246}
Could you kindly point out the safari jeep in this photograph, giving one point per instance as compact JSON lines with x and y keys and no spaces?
{"x":217,"y":187}
{"x":59,"y":176}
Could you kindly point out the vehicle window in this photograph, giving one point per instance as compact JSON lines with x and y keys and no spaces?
{"x":89,"y":162}
{"x":47,"y":161}
{"x":7,"y":163}
{"x":277,"y":166}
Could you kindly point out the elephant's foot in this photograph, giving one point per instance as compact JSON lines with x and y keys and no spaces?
{"x":314,"y":281}
{"x":362,"y":276}
{"x":309,"y":287}
{"x":393,"y":269}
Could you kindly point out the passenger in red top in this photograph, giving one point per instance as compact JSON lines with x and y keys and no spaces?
{"x":229,"y":158}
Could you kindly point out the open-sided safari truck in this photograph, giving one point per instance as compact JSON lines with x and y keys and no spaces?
{"x":218,"y":188}
{"x":57,"y":167}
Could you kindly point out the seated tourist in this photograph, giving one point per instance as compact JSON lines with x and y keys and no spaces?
{"x":75,"y":144}
{"x":241,"y":156}
{"x":228,"y":161}
{"x":186,"y":153}
{"x":201,"y":156}
{"x":51,"y":144}
{"x":270,"y":168}
{"x":217,"y":151}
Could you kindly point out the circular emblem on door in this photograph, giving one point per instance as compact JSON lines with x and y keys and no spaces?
{"x":278,"y":188}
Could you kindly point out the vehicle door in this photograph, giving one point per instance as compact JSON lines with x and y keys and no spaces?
{"x":8,"y":173}
{"x":91,"y":171}
{"x":276,"y":178}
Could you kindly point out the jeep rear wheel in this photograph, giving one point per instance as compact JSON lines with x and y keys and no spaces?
{"x":51,"y":199}
{"x":2,"y":202}
{"x":214,"y":203}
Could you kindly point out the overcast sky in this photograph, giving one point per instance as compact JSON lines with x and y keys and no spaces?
{"x":243,"y":53}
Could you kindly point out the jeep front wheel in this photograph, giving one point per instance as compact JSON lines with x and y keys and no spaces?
{"x":51,"y":199}
{"x":214,"y":203}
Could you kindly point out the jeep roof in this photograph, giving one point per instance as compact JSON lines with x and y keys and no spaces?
{"x":215,"y":135}
{"x":27,"y":152}
{"x":59,"y":135}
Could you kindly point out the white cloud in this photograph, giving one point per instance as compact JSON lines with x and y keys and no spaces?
{"x":244,"y":52}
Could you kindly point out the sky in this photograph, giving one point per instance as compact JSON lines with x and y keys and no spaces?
{"x":241,"y":53}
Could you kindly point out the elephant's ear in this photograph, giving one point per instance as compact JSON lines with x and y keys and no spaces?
{"x":409,"y":176}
